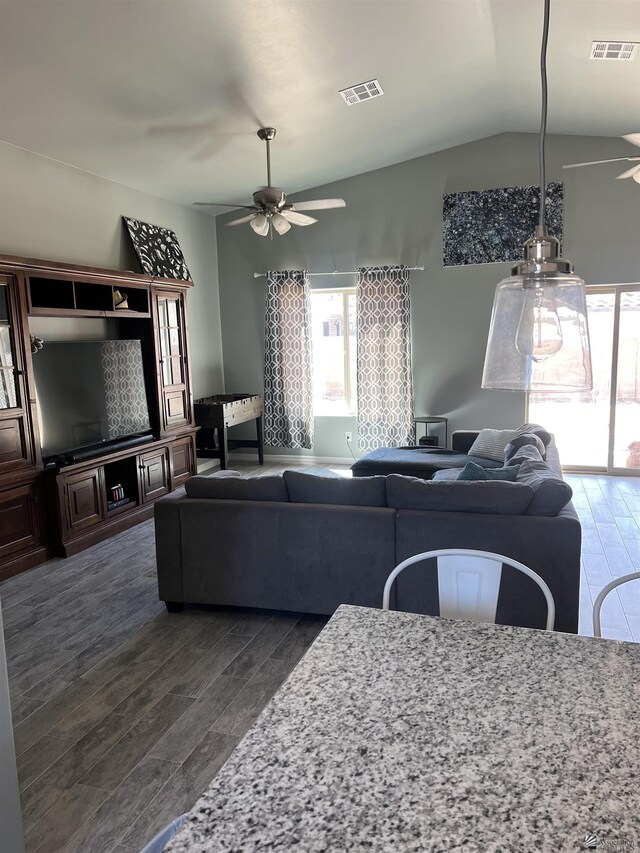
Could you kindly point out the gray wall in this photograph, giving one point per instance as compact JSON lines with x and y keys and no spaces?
{"x":52,"y":211}
{"x":394,"y":215}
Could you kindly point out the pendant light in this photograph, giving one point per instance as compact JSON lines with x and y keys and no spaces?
{"x":539,"y":336}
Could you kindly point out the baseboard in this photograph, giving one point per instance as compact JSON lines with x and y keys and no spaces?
{"x":296,"y":460}
{"x":205,"y":465}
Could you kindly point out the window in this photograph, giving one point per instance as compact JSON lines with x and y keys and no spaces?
{"x":333,"y":324}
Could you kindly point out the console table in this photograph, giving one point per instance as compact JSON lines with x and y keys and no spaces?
{"x":404,"y":732}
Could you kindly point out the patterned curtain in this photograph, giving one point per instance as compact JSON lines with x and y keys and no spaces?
{"x":384,"y":383}
{"x":288,"y":388}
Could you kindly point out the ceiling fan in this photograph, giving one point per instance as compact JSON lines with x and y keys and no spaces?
{"x":270,"y":209}
{"x":633,"y":172}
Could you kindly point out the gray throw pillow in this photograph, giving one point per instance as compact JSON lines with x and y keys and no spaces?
{"x":267,"y":488}
{"x":527,"y":451}
{"x":543,"y":434}
{"x":522,"y":440}
{"x":308,"y":488}
{"x":490,"y":443}
{"x":486,"y":496}
{"x":551,"y":493}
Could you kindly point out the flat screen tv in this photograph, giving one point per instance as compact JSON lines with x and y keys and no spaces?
{"x":89,"y":393}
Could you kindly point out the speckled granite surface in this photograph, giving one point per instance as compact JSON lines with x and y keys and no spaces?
{"x":399,"y":732}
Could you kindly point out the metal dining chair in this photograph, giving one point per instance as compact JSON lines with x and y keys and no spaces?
{"x":469,"y":583}
{"x":604,"y":592}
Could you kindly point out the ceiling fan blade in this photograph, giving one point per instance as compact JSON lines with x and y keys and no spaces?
{"x":633,"y":138}
{"x":630,"y":173}
{"x":597,"y":162}
{"x":242,"y":220}
{"x":298,"y":218}
{"x":222,"y":204}
{"x":319,"y":204}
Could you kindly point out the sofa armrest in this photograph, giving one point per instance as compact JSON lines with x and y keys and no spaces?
{"x":462,"y":439}
{"x":166,"y":514}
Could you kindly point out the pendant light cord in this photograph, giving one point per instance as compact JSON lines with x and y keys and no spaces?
{"x":543,"y":117}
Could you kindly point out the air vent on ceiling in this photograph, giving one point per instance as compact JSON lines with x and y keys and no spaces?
{"x":362,"y":92}
{"x":624,"y":50}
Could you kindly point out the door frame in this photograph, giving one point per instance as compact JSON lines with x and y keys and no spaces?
{"x":610,"y":469}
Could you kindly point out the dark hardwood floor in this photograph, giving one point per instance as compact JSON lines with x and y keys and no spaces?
{"x":123,"y":713}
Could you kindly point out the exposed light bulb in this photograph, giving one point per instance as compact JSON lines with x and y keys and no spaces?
{"x":539,"y":333}
{"x":260,"y":224}
{"x":280,"y":223}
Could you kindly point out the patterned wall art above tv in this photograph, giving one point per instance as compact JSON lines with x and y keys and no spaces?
{"x":158,"y":250}
{"x":489,"y":226}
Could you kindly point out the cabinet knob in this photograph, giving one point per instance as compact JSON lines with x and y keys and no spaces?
{"x":142,"y":467}
{"x":18,"y":372}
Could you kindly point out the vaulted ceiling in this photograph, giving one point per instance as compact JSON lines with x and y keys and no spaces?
{"x":167,"y":95}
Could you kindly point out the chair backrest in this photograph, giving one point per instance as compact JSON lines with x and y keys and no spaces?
{"x":469,"y":583}
{"x":604,"y":592}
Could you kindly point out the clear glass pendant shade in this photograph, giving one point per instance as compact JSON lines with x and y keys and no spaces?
{"x":539,"y":337}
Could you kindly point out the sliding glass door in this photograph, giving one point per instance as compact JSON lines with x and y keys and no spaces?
{"x":596,"y":430}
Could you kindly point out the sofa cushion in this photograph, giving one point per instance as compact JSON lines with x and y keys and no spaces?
{"x":522,"y":440}
{"x":447,"y":474}
{"x":491,"y":497}
{"x":551,"y":492}
{"x":471,"y":471}
{"x":308,"y":488}
{"x":267,"y":488}
{"x":414,"y":461}
{"x":490,"y":443}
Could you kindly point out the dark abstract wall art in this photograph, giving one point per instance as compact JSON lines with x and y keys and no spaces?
{"x":490,"y":226}
{"x":158,"y":250}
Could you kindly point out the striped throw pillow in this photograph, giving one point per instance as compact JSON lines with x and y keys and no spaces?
{"x":490,"y":443}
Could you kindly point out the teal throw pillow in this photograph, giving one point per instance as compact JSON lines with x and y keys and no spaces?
{"x":471,"y":471}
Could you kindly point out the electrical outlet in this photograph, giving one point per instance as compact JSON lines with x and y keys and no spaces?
{"x":348,"y":437}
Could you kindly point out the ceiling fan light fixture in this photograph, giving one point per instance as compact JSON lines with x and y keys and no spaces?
{"x":280,"y":223}
{"x":270,"y":206}
{"x":539,"y":334}
{"x":260,"y":224}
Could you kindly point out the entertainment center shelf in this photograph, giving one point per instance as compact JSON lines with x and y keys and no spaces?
{"x":69,"y":505}
{"x":55,"y":297}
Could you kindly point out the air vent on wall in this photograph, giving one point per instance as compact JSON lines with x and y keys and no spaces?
{"x":362,"y":92}
{"x":624,"y":50}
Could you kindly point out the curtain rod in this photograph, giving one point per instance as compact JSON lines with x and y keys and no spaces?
{"x":335,"y":272}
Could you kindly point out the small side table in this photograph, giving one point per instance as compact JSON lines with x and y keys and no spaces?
{"x":433,"y":419}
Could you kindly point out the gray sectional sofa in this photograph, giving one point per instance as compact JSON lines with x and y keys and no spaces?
{"x":309,"y":543}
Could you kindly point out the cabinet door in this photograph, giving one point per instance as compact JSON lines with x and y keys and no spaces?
{"x":84,"y":499}
{"x":19,"y":520}
{"x":175,"y":395}
{"x":16,"y":441}
{"x":154,"y":474}
{"x":182,"y":460}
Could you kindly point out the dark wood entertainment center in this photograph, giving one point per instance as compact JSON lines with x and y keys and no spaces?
{"x":61,"y":510}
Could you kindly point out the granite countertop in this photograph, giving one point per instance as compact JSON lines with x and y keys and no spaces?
{"x":399,"y":732}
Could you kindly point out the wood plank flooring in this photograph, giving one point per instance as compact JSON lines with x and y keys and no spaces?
{"x":123,"y":713}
